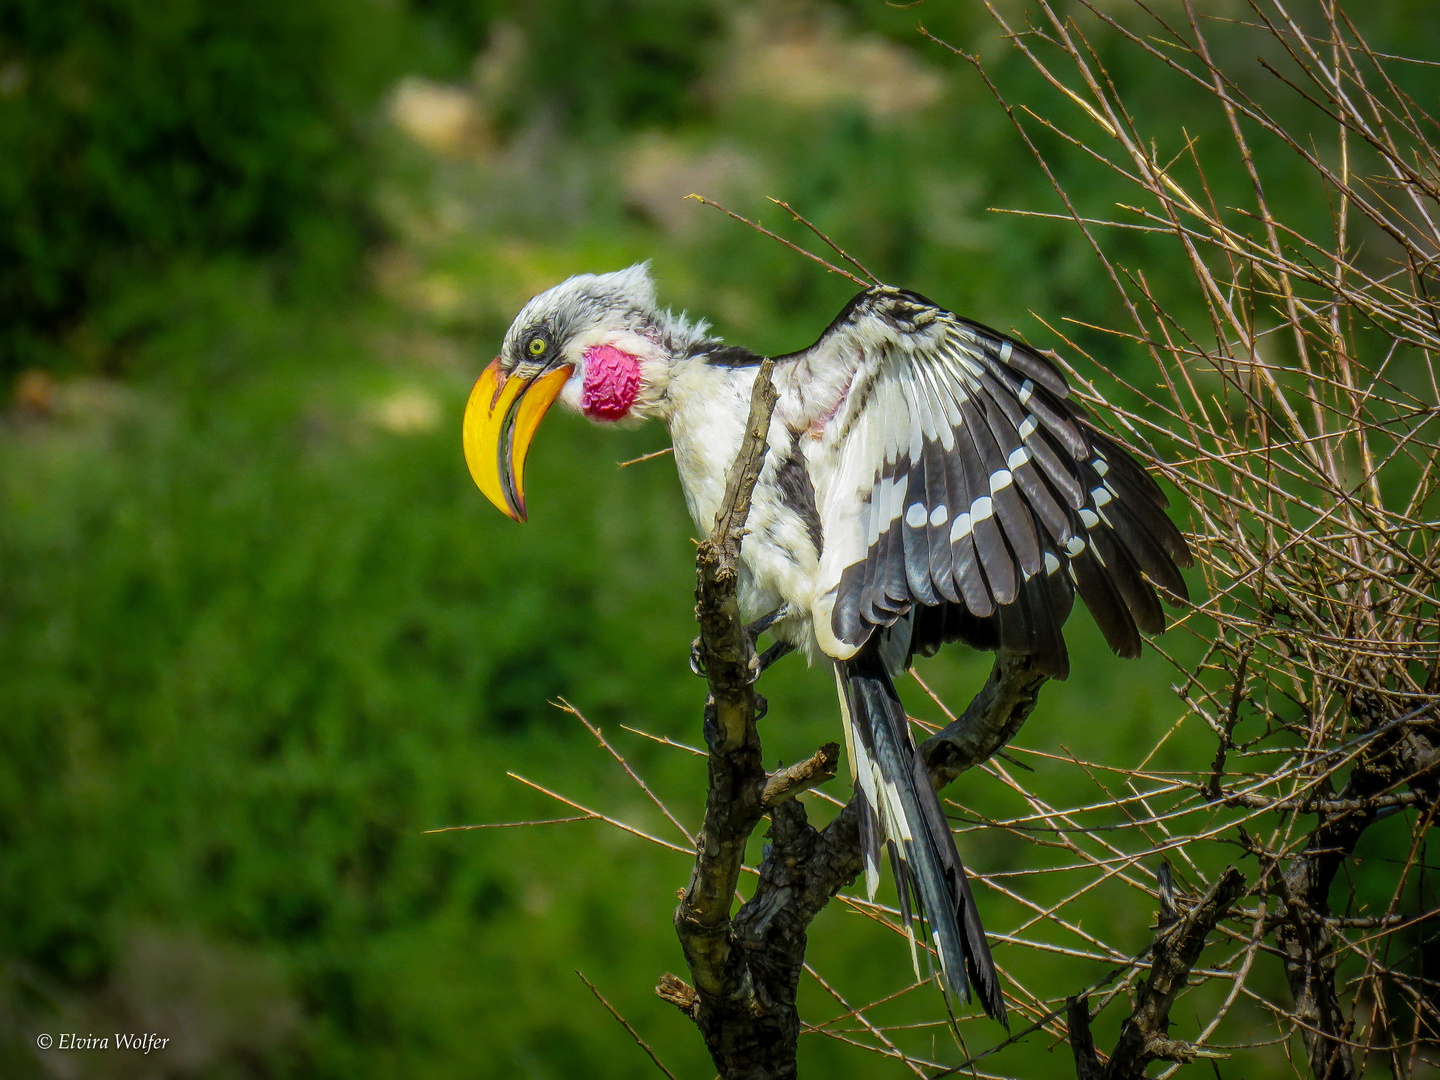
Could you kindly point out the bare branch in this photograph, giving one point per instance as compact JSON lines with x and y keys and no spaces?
{"x":1144,"y":1036}
{"x":793,"y":247}
{"x":678,"y":992}
{"x":626,"y":1025}
{"x":990,"y":722}
{"x":788,"y":782}
{"x":826,"y":240}
{"x":645,"y":457}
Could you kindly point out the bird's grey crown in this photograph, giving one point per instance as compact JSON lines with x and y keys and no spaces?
{"x":623,"y":300}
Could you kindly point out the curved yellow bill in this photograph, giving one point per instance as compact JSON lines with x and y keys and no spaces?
{"x":499,"y":427}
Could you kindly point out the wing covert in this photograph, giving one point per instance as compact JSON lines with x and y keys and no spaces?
{"x":952,"y":471}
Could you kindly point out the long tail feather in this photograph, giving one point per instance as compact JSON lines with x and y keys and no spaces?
{"x":892,"y":777}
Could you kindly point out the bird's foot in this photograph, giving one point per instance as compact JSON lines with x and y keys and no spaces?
{"x":769,"y":656}
{"x":753,"y":632}
{"x":760,"y":625}
{"x":775,"y":651}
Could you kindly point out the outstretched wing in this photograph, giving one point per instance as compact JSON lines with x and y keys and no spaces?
{"x":952,"y":472}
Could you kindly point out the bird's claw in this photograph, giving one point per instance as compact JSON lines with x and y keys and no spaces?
{"x":752,"y":631}
{"x":763,"y":661}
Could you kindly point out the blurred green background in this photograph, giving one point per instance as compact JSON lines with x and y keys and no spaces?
{"x":258,"y":630}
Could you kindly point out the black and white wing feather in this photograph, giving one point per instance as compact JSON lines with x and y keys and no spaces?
{"x":952,"y":472}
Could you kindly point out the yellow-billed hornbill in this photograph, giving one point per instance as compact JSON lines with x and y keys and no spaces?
{"x":927,"y":480}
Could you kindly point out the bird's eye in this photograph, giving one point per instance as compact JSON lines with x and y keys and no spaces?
{"x":536,"y":346}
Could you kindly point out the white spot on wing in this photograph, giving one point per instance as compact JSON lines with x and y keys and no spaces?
{"x":1026,"y":389}
{"x":1101,"y":495}
{"x":916,"y":515}
{"x":1000,"y":479}
{"x":1005,"y":350}
{"x":939,"y":515}
{"x":960,"y":529}
{"x":1018,"y":458}
{"x":1051,"y":563}
{"x":1075,"y":546}
{"x":1089,"y":518}
{"x":1101,"y":466}
{"x":1028,"y":426}
{"x":981,"y":509}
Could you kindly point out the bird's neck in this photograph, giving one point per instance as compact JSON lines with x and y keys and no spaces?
{"x":705,"y":407}
{"x":662,"y":347}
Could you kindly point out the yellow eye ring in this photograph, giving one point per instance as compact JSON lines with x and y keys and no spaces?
{"x":536,"y":346}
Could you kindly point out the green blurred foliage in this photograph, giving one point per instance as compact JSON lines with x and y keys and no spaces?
{"x":135,"y":131}
{"x":257,"y":629}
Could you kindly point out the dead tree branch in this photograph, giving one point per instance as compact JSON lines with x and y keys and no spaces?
{"x":1305,"y":932}
{"x":736,"y":775}
{"x":787,"y":783}
{"x":1144,"y":1037}
{"x":988,"y":725}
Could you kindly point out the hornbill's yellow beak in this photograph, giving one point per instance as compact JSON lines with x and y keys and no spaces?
{"x":500,"y":420}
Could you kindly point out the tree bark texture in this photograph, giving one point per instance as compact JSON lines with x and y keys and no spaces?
{"x":1144,"y":1037}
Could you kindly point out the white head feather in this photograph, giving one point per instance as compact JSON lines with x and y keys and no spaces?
{"x":618,"y":309}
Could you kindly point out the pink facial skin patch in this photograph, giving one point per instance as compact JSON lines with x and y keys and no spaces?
{"x":612,"y":382}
